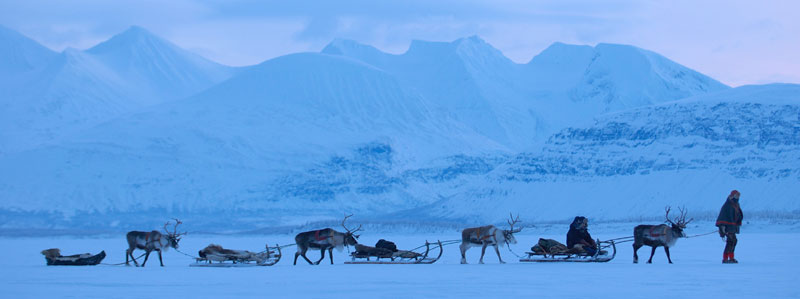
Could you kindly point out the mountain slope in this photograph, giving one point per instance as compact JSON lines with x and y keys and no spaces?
{"x":467,"y":79}
{"x":689,"y":152}
{"x":158,"y":66}
{"x":79,"y":89}
{"x":589,"y":81}
{"x":244,"y":145}
{"x":518,"y":105}
{"x":20,"y":53}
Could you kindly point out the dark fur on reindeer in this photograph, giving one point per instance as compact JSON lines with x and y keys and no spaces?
{"x":324,"y":239}
{"x":150,"y":241}
{"x":659,"y":235}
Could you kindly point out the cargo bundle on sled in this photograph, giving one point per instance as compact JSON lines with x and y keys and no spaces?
{"x":548,"y":250}
{"x":216,"y":256}
{"x":54,"y":258}
{"x":386,"y":252}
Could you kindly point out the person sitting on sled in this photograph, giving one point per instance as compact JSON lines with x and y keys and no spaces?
{"x":579,"y":237}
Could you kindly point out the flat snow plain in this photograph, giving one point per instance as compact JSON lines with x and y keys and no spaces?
{"x":767,"y":254}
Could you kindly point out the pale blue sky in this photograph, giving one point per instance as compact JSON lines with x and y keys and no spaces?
{"x":736,"y":42}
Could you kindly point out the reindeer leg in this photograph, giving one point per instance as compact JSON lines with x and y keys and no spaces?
{"x":128,"y":253}
{"x":147,"y":255}
{"x":652,"y":252}
{"x":303,"y":253}
{"x":636,"y":249}
{"x":322,"y":256}
{"x":330,"y":254}
{"x":463,"y":248}
{"x":133,"y":258}
{"x":159,"y":258}
{"x":483,"y":251}
{"x":498,"y":254}
{"x":666,"y":249}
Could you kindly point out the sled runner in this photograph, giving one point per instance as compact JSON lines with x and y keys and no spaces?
{"x":605,"y":252}
{"x":54,"y":258}
{"x":365,"y":254}
{"x":216,"y":256}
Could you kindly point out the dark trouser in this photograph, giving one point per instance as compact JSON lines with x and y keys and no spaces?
{"x":730,"y":244}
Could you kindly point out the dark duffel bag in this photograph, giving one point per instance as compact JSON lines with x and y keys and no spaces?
{"x":386,"y":245}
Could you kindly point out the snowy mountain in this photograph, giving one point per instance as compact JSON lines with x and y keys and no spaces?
{"x":448,"y":131}
{"x":64,"y":94}
{"x":588,"y":81}
{"x":20,"y":54}
{"x":518,"y":104}
{"x":232,"y":147}
{"x":689,"y":152}
{"x":467,"y":79}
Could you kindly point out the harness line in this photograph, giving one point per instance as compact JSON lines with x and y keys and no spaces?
{"x":120,"y":264}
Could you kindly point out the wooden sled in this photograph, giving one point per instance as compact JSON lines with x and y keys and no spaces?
{"x":54,"y":258}
{"x":227,"y":258}
{"x":365,"y":254}
{"x":609,"y":249}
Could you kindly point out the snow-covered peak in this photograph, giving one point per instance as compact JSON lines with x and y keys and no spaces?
{"x":132,"y":39}
{"x":612,"y":77}
{"x":468,"y":49}
{"x":348,"y":47}
{"x":19,"y":53}
{"x":147,"y":59}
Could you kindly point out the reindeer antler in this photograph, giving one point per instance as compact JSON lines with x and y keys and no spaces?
{"x":513,"y":221}
{"x":682,"y":220}
{"x":347,"y":229}
{"x":667,"y":209}
{"x":174,"y":228}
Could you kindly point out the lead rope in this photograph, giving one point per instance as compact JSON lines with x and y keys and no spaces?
{"x":186,"y":254}
{"x":120,"y":264}
{"x":700,"y":235}
{"x":512,"y":251}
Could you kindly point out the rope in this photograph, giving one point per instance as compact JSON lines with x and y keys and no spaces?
{"x":708,"y":233}
{"x":120,"y":264}
{"x":622,"y":238}
{"x":512,"y":251}
{"x":186,"y":254}
{"x":288,"y":245}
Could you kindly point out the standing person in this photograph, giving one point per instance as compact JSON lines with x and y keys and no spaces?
{"x":578,"y":236}
{"x":729,"y":221}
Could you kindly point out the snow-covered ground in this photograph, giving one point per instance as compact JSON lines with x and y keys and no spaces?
{"x":767,"y":269}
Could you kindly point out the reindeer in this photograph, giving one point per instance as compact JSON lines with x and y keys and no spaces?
{"x":324,"y":239}
{"x":659,"y":235}
{"x":488,"y":235}
{"x":154,"y":240}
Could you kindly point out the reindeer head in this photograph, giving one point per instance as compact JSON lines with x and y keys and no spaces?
{"x":173,"y":237}
{"x":509,"y":234}
{"x":679,"y":225}
{"x":350,"y":238}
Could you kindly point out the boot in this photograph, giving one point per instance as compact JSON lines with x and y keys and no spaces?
{"x":731,"y":259}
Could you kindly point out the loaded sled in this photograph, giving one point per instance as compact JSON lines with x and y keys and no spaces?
{"x":216,"y":256}
{"x":552,"y":251}
{"x":54,"y":258}
{"x":386,"y":253}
